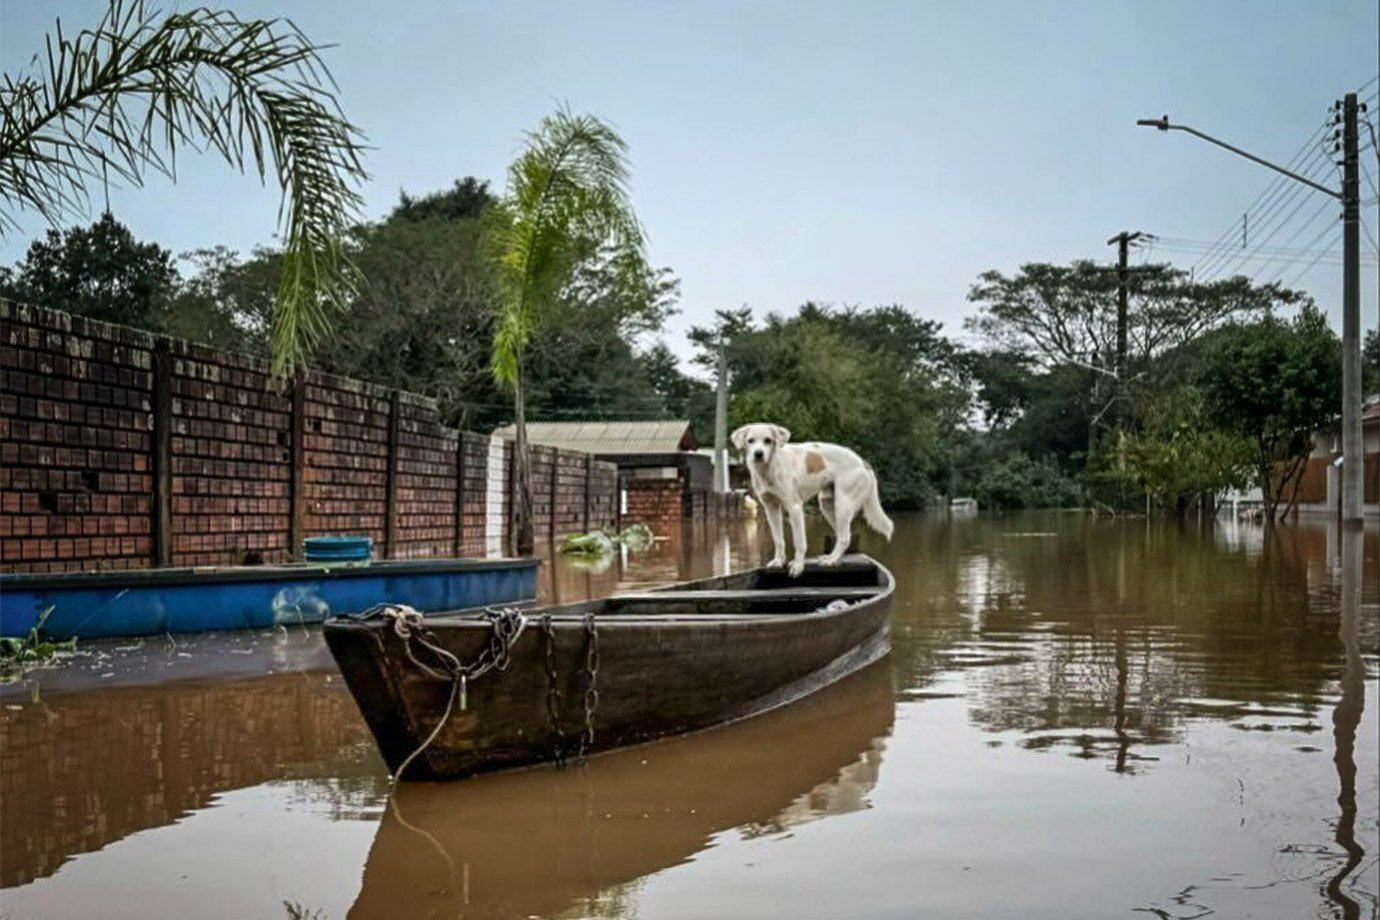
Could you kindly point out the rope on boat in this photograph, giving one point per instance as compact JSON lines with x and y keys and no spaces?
{"x":505,"y":626}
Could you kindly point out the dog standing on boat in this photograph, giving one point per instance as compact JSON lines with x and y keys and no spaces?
{"x":785,"y":476}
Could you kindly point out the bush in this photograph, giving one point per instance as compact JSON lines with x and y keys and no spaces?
{"x":1018,"y":481}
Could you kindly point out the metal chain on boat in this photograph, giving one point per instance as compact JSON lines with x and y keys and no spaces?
{"x":592,"y":683}
{"x":553,"y":691}
{"x":506,"y":625}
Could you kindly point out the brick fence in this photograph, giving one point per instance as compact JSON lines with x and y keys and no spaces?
{"x":122,"y":449}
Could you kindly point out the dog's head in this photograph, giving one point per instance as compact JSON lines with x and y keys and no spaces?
{"x":758,"y":442}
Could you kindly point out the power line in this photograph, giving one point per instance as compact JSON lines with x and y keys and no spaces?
{"x":1270,"y":223}
{"x":1327,"y":205}
{"x":1284,"y":194}
{"x":1336,"y":238}
{"x":1270,"y":189}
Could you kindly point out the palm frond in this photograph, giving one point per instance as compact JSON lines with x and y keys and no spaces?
{"x":125,"y":96}
{"x":567,"y":198}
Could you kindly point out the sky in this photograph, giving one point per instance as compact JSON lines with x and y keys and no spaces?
{"x":859,"y":152}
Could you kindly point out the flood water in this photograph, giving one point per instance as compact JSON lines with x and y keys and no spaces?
{"x":1078,"y":719}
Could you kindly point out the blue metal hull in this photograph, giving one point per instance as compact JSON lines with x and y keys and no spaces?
{"x":157,"y":601}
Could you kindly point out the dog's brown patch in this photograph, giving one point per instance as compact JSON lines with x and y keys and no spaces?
{"x":814,"y":463}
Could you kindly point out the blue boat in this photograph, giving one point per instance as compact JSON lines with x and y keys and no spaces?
{"x":146,"y":602}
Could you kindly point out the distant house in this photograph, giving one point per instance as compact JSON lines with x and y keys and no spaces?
{"x":1320,"y":492}
{"x":663,"y":480}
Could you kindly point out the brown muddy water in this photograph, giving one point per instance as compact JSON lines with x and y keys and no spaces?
{"x":1078,"y":719}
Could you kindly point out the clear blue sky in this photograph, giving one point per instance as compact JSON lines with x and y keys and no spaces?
{"x":845,"y":152}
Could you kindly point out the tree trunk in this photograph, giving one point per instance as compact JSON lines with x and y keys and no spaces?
{"x":1296,"y":477}
{"x":1267,"y":492}
{"x":524,"y":541}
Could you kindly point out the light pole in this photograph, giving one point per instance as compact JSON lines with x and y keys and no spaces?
{"x":1350,"y":197}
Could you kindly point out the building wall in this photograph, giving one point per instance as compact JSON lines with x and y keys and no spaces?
{"x":121,"y":449}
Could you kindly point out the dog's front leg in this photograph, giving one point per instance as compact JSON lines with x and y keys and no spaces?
{"x":778,"y":538}
{"x":797,"y":539}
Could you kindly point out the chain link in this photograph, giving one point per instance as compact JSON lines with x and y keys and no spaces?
{"x":505,"y":625}
{"x":553,"y":692}
{"x":592,"y":683}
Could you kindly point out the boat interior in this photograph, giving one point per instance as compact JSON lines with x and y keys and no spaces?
{"x":754,"y":593}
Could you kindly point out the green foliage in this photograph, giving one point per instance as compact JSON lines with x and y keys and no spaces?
{"x":882,"y":381}
{"x":1068,"y":314}
{"x":566,"y":206}
{"x":1177,"y":455}
{"x":100,"y":271}
{"x":679,"y":395}
{"x":126,"y":95}
{"x":225,"y":303}
{"x":19,"y":655}
{"x":1038,"y":412}
{"x":637,"y":538}
{"x":1017,"y":481}
{"x":1274,"y":383}
{"x":468,"y":197}
{"x":566,"y":210}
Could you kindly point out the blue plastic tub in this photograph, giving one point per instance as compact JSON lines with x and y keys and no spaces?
{"x":338,"y":549}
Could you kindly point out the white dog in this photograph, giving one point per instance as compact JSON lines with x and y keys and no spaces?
{"x":786,"y":475}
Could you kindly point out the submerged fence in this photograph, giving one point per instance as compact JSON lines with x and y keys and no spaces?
{"x":122,"y":449}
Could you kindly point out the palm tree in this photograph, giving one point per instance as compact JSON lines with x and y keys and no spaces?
{"x":566,"y":204}
{"x":123,"y":97}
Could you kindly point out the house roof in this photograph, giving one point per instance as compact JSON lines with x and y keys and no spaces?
{"x":608,"y":438}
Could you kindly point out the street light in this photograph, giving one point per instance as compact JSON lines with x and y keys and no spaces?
{"x":1350,"y":197}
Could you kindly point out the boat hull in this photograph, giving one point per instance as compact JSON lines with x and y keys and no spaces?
{"x":657,"y":675}
{"x":156,"y":601}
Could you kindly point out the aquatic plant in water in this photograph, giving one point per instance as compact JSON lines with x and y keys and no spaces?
{"x":596,"y":543}
{"x":18,"y":655}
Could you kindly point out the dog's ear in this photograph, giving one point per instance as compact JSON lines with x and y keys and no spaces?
{"x":782,"y":435}
{"x":739,"y":437}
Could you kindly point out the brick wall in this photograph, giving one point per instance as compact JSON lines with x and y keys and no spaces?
{"x":75,"y":443}
{"x":654,"y":502}
{"x":231,"y":457}
{"x":120,"y":449}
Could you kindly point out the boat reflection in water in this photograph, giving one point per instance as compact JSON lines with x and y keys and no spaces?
{"x":536,"y":842}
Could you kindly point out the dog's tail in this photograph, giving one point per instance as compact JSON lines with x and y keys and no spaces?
{"x":872,"y":509}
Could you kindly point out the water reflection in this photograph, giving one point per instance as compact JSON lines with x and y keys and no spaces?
{"x":81,"y":770}
{"x":1103,"y":639}
{"x":1346,"y":716}
{"x":537,"y":842}
{"x":1138,"y":711}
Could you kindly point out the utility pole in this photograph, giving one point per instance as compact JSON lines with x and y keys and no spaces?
{"x":1352,"y":463}
{"x":1350,"y":197}
{"x":721,"y":424}
{"x":1123,"y":241}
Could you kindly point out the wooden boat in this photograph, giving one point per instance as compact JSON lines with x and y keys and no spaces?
{"x":148,"y":602}
{"x":478,"y":690}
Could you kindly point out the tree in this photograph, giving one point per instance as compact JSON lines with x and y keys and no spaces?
{"x":1176,"y":456}
{"x":226,"y":303}
{"x":123,"y":97}
{"x":1017,"y":481}
{"x":100,"y":271}
{"x":468,"y":197}
{"x":1066,"y":317}
{"x":1276,"y":383}
{"x":566,"y":205}
{"x":681,"y":395}
{"x":1067,"y":314}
